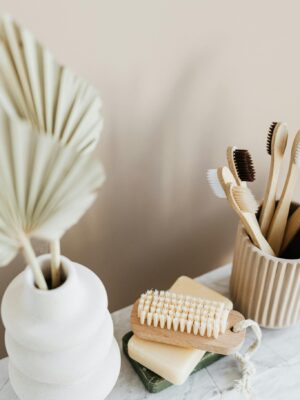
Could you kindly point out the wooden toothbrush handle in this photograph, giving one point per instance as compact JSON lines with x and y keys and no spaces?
{"x":269,"y":202}
{"x":252,"y":228}
{"x":279,"y":221}
{"x":292,"y":227}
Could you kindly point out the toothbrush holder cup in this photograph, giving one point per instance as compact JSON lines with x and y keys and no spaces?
{"x":263,"y":287}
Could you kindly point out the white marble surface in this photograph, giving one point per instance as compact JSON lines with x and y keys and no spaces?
{"x":277,"y":363}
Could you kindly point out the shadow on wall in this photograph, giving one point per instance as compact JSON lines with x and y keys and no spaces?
{"x":190,"y":239}
{"x":156,"y":217}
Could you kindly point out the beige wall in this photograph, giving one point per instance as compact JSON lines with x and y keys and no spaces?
{"x":180,"y":80}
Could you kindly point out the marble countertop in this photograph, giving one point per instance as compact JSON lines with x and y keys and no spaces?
{"x":277,"y":363}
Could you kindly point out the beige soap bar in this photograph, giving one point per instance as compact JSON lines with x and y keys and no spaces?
{"x":189,"y":286}
{"x":174,"y":364}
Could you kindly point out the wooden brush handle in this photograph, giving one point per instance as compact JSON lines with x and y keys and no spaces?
{"x":279,"y":221}
{"x":226,"y":343}
{"x":292,"y":227}
{"x":269,"y":200}
{"x":252,"y":228}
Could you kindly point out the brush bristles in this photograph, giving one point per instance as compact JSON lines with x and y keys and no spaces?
{"x":270,"y":137}
{"x":245,"y":199}
{"x":244,"y":165}
{"x":214,"y":182}
{"x":297,"y":156}
{"x":183,"y":313}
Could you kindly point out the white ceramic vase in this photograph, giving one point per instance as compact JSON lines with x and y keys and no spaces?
{"x":60,"y":342}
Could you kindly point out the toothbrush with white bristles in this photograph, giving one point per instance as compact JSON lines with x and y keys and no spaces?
{"x":279,"y":220}
{"x":242,"y":201}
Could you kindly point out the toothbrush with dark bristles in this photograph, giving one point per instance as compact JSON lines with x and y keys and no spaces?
{"x":241,"y":165}
{"x":276,"y":145}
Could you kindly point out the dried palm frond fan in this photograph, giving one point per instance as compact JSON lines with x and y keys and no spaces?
{"x":45,"y":189}
{"x":35,"y":87}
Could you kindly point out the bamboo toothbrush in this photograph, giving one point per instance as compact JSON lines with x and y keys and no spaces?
{"x":279,"y":220}
{"x":242,"y":201}
{"x":241,"y":165}
{"x":218,"y":180}
{"x":292,"y":228}
{"x":276,"y":145}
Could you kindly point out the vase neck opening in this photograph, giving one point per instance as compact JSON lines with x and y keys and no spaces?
{"x":46,"y":270}
{"x":66,"y":274}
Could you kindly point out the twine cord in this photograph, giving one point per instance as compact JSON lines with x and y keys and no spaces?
{"x":247,"y":367}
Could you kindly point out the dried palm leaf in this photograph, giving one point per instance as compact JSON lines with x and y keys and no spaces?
{"x":45,"y":189}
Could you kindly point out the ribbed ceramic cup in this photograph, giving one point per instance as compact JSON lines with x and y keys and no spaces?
{"x":263,"y":287}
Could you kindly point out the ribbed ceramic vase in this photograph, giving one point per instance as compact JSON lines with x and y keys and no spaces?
{"x":60,"y":342}
{"x":263,"y":287}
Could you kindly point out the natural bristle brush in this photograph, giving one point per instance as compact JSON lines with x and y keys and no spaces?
{"x":186,"y":321}
{"x":241,"y":165}
{"x":242,"y":201}
{"x":279,"y":220}
{"x":245,"y":199}
{"x":183,"y":313}
{"x":276,"y":145}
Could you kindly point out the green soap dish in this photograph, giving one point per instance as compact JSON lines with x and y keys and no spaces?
{"x":155,"y":383}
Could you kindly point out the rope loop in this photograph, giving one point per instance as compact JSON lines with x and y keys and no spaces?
{"x":247,"y":367}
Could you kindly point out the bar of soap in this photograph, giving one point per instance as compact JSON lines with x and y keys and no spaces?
{"x":174,"y":364}
{"x":189,"y":286}
{"x":155,"y":383}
